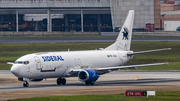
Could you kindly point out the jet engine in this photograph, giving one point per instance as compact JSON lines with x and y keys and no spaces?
{"x":88,"y":75}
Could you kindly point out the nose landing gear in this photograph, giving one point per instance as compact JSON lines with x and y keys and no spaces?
{"x":61,"y":81}
{"x":26,"y":84}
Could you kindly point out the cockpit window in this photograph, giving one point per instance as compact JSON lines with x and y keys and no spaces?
{"x":22,"y":62}
{"x":19,"y":62}
{"x":26,"y":62}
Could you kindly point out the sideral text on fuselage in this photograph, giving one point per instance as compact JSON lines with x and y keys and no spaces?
{"x":52,"y":58}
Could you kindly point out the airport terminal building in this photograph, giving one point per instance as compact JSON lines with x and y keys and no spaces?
{"x":78,"y":15}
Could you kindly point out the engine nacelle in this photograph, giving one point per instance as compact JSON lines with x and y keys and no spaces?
{"x":88,"y":75}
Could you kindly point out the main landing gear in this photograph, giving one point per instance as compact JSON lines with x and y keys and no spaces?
{"x":61,"y":81}
{"x":90,"y":83}
{"x":26,"y":84}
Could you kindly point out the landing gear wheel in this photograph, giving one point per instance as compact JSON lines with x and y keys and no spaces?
{"x":87,"y":83}
{"x":61,"y":81}
{"x":26,"y":84}
{"x":90,"y":83}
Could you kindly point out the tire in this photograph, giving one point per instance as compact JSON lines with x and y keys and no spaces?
{"x":63,"y":81}
{"x":26,"y":84}
{"x":59,"y":82}
{"x":92,"y":83}
{"x":87,"y":83}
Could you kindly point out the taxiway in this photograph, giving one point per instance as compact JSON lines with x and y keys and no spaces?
{"x":113,"y":83}
{"x":72,"y":40}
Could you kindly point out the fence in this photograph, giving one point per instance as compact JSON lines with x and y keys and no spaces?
{"x":66,"y":1}
{"x":59,"y":28}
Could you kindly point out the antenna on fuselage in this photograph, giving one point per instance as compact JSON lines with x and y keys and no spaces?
{"x":68,"y":49}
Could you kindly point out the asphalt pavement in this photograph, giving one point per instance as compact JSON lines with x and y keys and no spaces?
{"x":112,"y":83}
{"x":64,"y":40}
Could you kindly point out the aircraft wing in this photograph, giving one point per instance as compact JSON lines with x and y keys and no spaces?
{"x":100,"y":71}
{"x":129,"y":66}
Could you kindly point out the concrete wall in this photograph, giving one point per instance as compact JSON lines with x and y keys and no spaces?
{"x":46,"y":33}
{"x":53,"y":3}
{"x":171,"y":25}
{"x":157,"y":15}
{"x":144,"y":12}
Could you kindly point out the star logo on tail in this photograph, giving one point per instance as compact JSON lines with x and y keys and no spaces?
{"x":125,"y":34}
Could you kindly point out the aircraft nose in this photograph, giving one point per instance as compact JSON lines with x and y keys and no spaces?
{"x":15,"y":70}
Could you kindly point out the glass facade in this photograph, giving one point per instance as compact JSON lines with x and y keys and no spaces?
{"x":65,"y":15}
{"x":98,"y":15}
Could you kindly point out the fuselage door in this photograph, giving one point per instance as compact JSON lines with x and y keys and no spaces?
{"x":38,"y":63}
{"x":77,"y":63}
{"x":120,"y":58}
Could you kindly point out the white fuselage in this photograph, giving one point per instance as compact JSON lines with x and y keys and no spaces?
{"x":58,"y":64}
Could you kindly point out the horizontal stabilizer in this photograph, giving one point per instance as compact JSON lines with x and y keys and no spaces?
{"x":130,"y":66}
{"x":142,"y":52}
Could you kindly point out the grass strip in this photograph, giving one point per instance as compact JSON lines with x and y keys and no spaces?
{"x":9,"y":52}
{"x":160,"y":96}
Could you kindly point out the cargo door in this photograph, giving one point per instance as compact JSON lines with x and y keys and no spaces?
{"x":49,"y":66}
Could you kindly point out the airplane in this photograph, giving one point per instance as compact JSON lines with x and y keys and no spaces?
{"x":86,"y":65}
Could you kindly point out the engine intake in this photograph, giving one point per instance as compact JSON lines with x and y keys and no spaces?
{"x":88,"y":75}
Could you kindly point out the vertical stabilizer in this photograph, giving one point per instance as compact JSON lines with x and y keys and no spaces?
{"x":123,"y":41}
